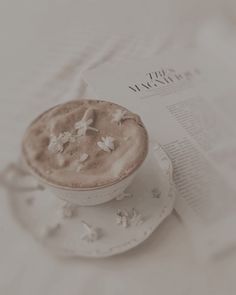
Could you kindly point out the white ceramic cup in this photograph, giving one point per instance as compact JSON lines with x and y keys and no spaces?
{"x":86,"y":196}
{"x":82,"y":197}
{"x":90,"y":197}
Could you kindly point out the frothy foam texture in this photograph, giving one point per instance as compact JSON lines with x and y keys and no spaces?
{"x":85,"y":144}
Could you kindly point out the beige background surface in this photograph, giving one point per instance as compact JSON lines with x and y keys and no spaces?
{"x":45,"y":47}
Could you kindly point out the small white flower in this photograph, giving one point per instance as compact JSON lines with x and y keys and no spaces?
{"x":107,"y":144}
{"x":79,"y":167}
{"x":91,"y":233}
{"x":136,"y":218}
{"x":82,"y":159}
{"x":67,"y":210}
{"x":83,"y":125}
{"x":64,"y":137}
{"x":118,"y":116}
{"x":125,"y":218}
{"x":122,"y":218}
{"x":55,"y":145}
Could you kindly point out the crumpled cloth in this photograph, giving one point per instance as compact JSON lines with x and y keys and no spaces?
{"x":46,"y":46}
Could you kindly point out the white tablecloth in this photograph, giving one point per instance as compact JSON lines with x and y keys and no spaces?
{"x":45,"y":47}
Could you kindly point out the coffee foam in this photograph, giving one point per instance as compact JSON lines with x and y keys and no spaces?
{"x":100,"y":168}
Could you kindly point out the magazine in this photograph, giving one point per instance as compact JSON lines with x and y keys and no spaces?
{"x":186,"y":113}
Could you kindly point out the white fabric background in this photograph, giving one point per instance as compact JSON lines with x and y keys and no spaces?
{"x":45,"y":47}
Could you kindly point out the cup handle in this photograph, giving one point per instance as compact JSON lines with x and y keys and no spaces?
{"x":163,"y":160}
{"x":9,"y":175}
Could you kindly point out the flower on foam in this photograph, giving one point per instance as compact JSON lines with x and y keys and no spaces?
{"x":65,"y":137}
{"x":81,"y":160}
{"x":56,"y":144}
{"x":83,"y":125}
{"x":118,"y":116}
{"x":107,"y":144}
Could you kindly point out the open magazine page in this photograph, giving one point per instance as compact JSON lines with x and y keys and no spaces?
{"x":194,"y":132}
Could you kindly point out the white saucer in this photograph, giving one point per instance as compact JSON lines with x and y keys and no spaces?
{"x":153,"y":198}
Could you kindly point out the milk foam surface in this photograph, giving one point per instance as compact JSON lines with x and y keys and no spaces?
{"x":80,"y":162}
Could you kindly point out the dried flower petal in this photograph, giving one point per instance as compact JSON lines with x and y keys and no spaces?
{"x":107,"y":144}
{"x":125,"y":219}
{"x":122,"y":218}
{"x":79,"y":167}
{"x":55,"y":145}
{"x":83,"y":157}
{"x":67,"y":210}
{"x":136,"y":218}
{"x":83,"y":125}
{"x":118,"y":116}
{"x":91,"y":233}
{"x":103,"y":147}
{"x":64,"y":137}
